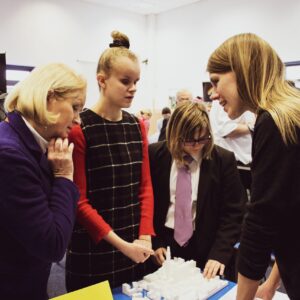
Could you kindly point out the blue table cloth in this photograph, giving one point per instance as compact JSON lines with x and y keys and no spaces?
{"x":117,"y":293}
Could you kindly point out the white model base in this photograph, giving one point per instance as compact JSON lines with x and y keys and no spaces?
{"x":177,"y":279}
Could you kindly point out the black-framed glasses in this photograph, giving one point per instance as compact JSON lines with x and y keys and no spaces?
{"x":193,"y":142}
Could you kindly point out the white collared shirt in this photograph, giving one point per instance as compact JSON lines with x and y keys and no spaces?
{"x":222,"y":125}
{"x":39,"y":139}
{"x":195,"y":175}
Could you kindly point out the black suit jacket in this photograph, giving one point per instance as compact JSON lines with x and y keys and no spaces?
{"x":273,"y":222}
{"x":220,"y":204}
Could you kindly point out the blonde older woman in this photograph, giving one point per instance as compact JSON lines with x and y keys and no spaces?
{"x":38,"y":196}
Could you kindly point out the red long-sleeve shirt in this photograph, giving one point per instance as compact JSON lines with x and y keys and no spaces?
{"x":89,"y":217}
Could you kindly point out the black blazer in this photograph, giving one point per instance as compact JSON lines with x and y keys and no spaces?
{"x":220,"y":204}
{"x":273,"y":222}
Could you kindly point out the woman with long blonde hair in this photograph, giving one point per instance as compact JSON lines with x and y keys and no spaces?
{"x":247,"y":74}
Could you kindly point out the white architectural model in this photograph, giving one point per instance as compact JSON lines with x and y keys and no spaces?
{"x":177,"y":279}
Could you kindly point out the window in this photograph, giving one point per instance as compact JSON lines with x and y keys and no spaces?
{"x":293,"y":72}
{"x":15,"y":73}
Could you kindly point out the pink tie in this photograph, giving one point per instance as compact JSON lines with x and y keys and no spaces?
{"x":183,"y":227}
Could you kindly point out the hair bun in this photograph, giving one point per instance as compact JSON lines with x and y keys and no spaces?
{"x":119,"y":40}
{"x":119,"y":43}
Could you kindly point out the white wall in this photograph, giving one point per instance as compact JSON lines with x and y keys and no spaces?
{"x":177,"y":43}
{"x":35,"y":32}
{"x":187,"y":36}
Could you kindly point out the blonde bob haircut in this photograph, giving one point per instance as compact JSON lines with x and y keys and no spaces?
{"x":261,"y":83}
{"x":118,"y":48}
{"x":29,"y":96}
{"x":183,"y":124}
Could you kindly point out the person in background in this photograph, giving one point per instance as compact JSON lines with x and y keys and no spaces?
{"x":215,"y":197}
{"x":183,"y":96}
{"x":145,"y":116}
{"x":38,"y":197}
{"x":234,"y":135}
{"x":161,"y":126}
{"x":112,"y":235}
{"x":166,"y":114}
{"x":247,"y":74}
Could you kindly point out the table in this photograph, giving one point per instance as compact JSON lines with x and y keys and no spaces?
{"x":117,"y":293}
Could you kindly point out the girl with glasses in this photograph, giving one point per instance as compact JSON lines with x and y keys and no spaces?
{"x":206,"y":227}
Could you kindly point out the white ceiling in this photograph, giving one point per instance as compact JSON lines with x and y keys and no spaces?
{"x":144,"y":7}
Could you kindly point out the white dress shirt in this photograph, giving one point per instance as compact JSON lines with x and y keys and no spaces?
{"x":222,"y":125}
{"x":39,"y":139}
{"x":195,"y":175}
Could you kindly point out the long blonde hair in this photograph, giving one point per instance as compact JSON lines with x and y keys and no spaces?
{"x":29,"y":96}
{"x":184,"y":122}
{"x":261,"y":80}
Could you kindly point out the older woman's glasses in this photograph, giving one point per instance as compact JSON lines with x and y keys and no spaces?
{"x":193,"y":142}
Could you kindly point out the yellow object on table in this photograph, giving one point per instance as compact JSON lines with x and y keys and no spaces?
{"x":99,"y":291}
